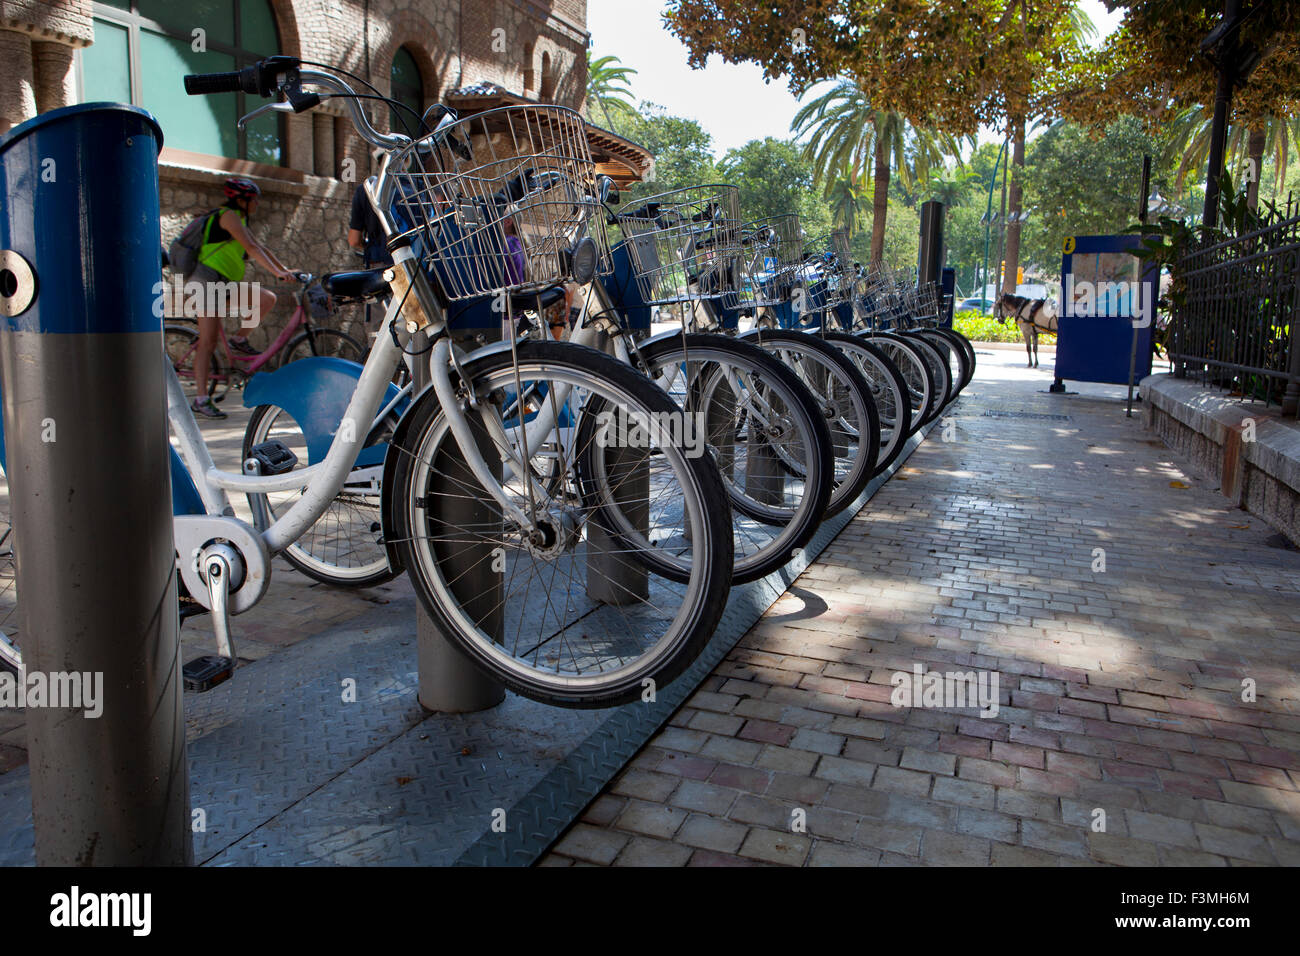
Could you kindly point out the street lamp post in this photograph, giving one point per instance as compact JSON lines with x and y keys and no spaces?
{"x":988,"y":221}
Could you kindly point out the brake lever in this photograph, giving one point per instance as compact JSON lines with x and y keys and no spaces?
{"x":264,"y":108}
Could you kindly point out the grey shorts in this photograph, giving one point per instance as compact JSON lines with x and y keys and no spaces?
{"x":208,"y":292}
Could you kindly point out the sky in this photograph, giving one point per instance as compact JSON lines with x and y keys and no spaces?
{"x":731,"y":101}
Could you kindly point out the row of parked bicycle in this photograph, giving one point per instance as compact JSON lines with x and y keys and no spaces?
{"x":573,"y":502}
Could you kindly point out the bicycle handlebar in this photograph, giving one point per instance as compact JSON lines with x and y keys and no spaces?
{"x":199,"y":84}
{"x":284,"y":74}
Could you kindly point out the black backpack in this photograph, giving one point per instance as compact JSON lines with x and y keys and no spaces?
{"x":183,"y":253}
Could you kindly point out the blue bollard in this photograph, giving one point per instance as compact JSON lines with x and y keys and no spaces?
{"x":85,"y":424}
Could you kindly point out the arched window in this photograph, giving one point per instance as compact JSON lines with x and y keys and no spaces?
{"x":142,"y":49}
{"x":407,"y":89}
{"x":530,"y":69}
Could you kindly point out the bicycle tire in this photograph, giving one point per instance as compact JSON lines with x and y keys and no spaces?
{"x":553,"y":674}
{"x":940,"y":370}
{"x":755,"y":558}
{"x":954,"y":359}
{"x":327,"y":342}
{"x":914,"y":368}
{"x":179,"y":341}
{"x":965,"y":345}
{"x":846,"y":402}
{"x":889,"y":389}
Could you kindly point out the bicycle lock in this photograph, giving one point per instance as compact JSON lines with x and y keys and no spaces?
{"x":85,"y":421}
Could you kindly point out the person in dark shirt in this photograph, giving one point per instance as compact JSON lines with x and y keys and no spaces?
{"x":365,"y":233}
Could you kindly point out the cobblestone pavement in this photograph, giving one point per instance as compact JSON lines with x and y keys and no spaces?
{"x":295,"y":607}
{"x":1124,"y":608}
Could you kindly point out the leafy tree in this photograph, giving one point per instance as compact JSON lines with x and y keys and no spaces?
{"x":608,"y":96}
{"x":774,"y":179}
{"x":682,"y":149}
{"x":1151,"y":63}
{"x":1080,"y":182}
{"x":954,"y":63}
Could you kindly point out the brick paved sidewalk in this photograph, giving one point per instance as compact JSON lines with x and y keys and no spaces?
{"x":1121,"y":690}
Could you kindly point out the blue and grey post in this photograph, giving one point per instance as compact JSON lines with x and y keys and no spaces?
{"x":85,"y":421}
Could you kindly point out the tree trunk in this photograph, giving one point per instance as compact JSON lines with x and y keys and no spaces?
{"x":1015,"y":195}
{"x":1255,"y":148}
{"x":880,"y":198}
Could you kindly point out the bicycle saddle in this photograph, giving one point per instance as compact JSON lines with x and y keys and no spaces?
{"x":362,"y":284}
{"x":541,"y":301}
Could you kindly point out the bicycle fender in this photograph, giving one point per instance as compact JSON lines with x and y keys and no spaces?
{"x":315,"y":391}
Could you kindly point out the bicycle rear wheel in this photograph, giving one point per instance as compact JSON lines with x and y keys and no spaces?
{"x":563,"y":610}
{"x":345,"y":545}
{"x":327,"y":342}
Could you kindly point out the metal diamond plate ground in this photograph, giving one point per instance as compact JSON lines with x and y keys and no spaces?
{"x":289,"y":774}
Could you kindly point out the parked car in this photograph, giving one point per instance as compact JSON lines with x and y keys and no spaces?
{"x":973,"y":302}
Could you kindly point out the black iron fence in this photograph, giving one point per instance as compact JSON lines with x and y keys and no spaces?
{"x":1234,"y":311}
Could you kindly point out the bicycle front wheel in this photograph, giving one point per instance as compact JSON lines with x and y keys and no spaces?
{"x":180,"y":343}
{"x":845,"y":400}
{"x":764,"y":429}
{"x":888,"y":388}
{"x":561,"y":608}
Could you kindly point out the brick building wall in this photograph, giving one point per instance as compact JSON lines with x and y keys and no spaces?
{"x":532,"y":47}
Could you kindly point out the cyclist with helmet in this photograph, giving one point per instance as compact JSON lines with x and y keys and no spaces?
{"x":227,"y":243}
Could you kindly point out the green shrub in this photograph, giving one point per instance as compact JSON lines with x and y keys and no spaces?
{"x":985,"y":328}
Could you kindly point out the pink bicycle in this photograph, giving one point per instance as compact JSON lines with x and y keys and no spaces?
{"x":298,"y":339}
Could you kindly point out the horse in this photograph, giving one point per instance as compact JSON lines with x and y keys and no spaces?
{"x":1031,"y":315}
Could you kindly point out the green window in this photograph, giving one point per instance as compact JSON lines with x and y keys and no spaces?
{"x":407,"y":89}
{"x":143,"y":48}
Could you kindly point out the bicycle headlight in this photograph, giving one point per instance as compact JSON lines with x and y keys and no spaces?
{"x":584,"y":258}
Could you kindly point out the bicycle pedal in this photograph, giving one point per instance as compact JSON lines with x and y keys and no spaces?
{"x":274,"y":457}
{"x":204,"y":673}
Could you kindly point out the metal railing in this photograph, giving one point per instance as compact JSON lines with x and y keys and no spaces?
{"x":1234,"y":311}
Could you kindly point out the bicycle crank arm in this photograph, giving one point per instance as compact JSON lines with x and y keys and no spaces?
{"x":195,"y":534}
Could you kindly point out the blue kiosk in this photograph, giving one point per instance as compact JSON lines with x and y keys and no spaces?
{"x":1105,"y":332}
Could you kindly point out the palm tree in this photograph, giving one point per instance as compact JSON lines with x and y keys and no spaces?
{"x":950,"y":186}
{"x":845,"y":194}
{"x":1189,"y":137}
{"x":607,"y":90}
{"x":849,"y":138}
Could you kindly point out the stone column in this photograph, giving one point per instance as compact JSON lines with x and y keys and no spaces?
{"x":17,"y":83}
{"x":52,"y":66}
{"x":323,"y":144}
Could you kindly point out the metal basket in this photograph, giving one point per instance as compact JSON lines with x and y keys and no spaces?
{"x":772,"y":250}
{"x":502,"y":201}
{"x":684,"y":245}
{"x":829,"y":276}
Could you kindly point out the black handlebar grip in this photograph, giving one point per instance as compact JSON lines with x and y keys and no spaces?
{"x":199,"y":84}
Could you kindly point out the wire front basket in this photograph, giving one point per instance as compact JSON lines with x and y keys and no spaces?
{"x":772,"y":250}
{"x":829,"y":276}
{"x":684,"y":245}
{"x":500,"y":202}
